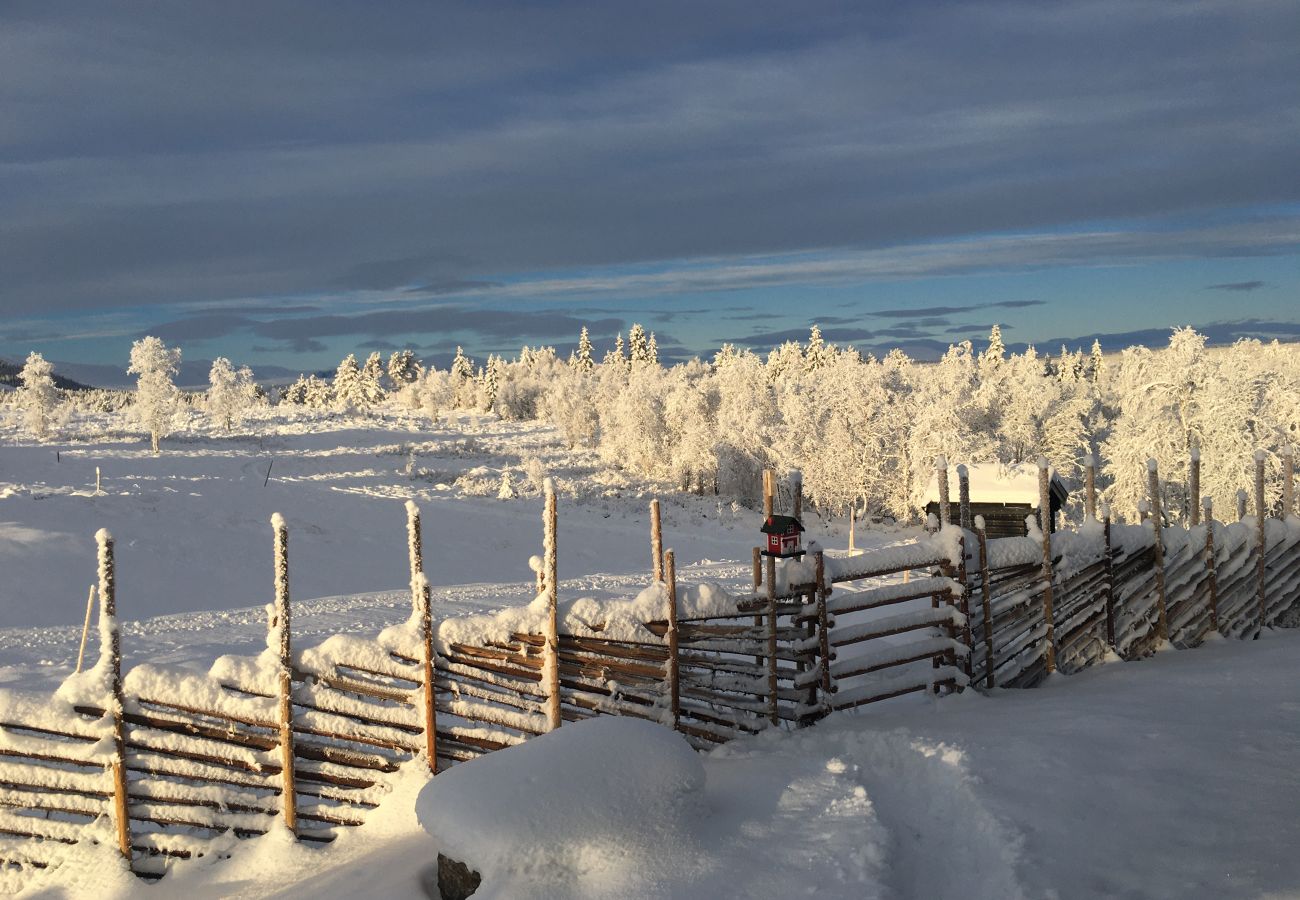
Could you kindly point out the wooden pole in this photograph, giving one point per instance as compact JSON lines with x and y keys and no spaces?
{"x":108,"y":615}
{"x":551,"y":671}
{"x":656,"y":541}
{"x":769,"y":479}
{"x":941,"y":474}
{"x":279,"y":639}
{"x":674,"y":685}
{"x":421,"y":600}
{"x":963,"y":497}
{"x":823,"y":634}
{"x":758,"y":568}
{"x":853,"y":522}
{"x":981,"y":535}
{"x":85,"y":627}
{"x":771,"y":641}
{"x":1288,"y":482}
{"x":98,"y":489}
{"x":1194,"y":487}
{"x":1090,"y":487}
{"x":1261,"y":522}
{"x":1241,"y":505}
{"x":1211,"y":564}
{"x":1109,"y":566}
{"x":964,"y":580}
{"x":1045,"y":525}
{"x":1157,"y":524}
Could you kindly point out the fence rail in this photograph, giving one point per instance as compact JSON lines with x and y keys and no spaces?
{"x":164,"y":764}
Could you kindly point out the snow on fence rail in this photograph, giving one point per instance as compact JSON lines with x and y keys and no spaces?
{"x":160,"y":764}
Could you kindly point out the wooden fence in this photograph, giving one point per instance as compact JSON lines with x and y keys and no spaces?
{"x":162,"y":764}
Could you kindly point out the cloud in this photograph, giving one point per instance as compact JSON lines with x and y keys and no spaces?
{"x":800,"y":335}
{"x":198,"y":327}
{"x":489,"y":323}
{"x":208,"y":154}
{"x":1236,"y":286}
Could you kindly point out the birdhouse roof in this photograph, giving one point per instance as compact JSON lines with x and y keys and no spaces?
{"x":781,"y":525}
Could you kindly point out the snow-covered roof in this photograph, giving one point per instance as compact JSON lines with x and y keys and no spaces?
{"x":996,"y":483}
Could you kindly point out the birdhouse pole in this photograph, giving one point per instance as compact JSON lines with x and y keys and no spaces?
{"x":1194,"y":487}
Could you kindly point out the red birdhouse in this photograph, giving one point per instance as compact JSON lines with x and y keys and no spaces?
{"x":782,"y":536}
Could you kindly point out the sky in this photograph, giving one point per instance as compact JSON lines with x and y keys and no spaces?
{"x":283,"y":183}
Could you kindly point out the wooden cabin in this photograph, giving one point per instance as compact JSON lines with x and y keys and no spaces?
{"x":1003,"y":495}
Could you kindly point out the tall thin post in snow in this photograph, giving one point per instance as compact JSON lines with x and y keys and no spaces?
{"x":1261,"y":522}
{"x":1109,"y":567}
{"x":981,"y":535}
{"x":769,"y":482}
{"x":108,"y":615}
{"x":674,"y":684}
{"x":771,"y":641}
{"x":758,"y":568}
{"x":1090,"y":487}
{"x":823,"y":633}
{"x":656,"y":541}
{"x":963,"y":497}
{"x":853,"y":524}
{"x":1211,"y":563}
{"x":1242,"y":499}
{"x":1288,"y":481}
{"x":1045,"y":526}
{"x":279,"y":639}
{"x":1157,"y":525}
{"x":551,"y":672}
{"x":421,"y":601}
{"x":85,"y":627}
{"x":1194,"y":487}
{"x":941,"y":475}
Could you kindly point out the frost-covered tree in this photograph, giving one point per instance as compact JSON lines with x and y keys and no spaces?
{"x":816,"y":354}
{"x":403,"y":369}
{"x":231,"y":393}
{"x":38,"y":398}
{"x":638,"y":347}
{"x":583,"y":361}
{"x":1096,"y":363}
{"x":156,"y":398}
{"x":652,"y":350}
{"x":372,"y":379}
{"x":349,"y":393}
{"x":318,"y":393}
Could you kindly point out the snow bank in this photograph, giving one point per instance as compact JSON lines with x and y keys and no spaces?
{"x":601,"y":808}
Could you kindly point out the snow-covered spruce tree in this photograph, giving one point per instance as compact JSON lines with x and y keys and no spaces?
{"x":156,"y":397}
{"x":583,"y":361}
{"x":816,"y":354}
{"x":318,"y":393}
{"x":295,"y":393}
{"x":349,"y":394}
{"x":38,"y":398}
{"x":652,"y":350}
{"x":462,"y":379}
{"x":637,"y":346}
{"x":231,"y":393}
{"x":491,"y":382}
{"x":403,"y":369}
{"x":372,"y":379}
{"x":1096,"y":363}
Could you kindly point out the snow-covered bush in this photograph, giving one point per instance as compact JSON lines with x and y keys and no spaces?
{"x":231,"y":393}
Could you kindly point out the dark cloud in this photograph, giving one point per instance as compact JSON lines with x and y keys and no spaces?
{"x":488,"y":323}
{"x":205,"y":153}
{"x":287,"y":309}
{"x":1236,"y":286}
{"x":976,"y":329}
{"x":1016,"y":304}
{"x":1217,"y":333}
{"x":377,"y":344}
{"x":200,"y":327}
{"x":921,"y":312}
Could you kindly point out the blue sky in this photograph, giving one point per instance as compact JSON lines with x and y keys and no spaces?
{"x":283,"y":183}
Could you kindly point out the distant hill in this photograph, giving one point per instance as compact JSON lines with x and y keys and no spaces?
{"x":9,"y":375}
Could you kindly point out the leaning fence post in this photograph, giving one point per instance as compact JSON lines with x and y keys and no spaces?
{"x":1090,"y":487}
{"x":941,"y":477}
{"x":1288,"y":481}
{"x":85,"y":627}
{"x":656,"y":541}
{"x":823,"y":634}
{"x":1194,"y":487}
{"x":108,"y":614}
{"x":423,"y":606}
{"x":674,"y":684}
{"x":1157,"y":519}
{"x":1109,"y":566}
{"x":771,"y":641}
{"x":981,"y":535}
{"x":1045,"y":526}
{"x":963,"y":497}
{"x":1261,"y":522}
{"x":551,"y":669}
{"x":278,"y":638}
{"x":1211,"y":565}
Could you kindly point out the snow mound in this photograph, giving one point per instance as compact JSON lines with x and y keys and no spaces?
{"x":601,"y":808}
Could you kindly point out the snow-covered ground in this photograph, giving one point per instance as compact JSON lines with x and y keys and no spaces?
{"x":1173,"y":777}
